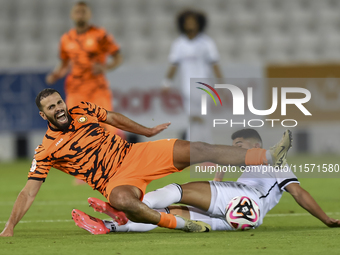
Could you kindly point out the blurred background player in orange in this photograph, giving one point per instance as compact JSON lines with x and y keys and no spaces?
{"x":83,"y":51}
{"x":194,"y":54}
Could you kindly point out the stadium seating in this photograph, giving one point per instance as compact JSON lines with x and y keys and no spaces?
{"x":244,"y":30}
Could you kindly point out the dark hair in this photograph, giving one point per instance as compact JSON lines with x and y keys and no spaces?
{"x":246,"y":133}
{"x":43,"y":94}
{"x":81,"y":3}
{"x":199,"y":16}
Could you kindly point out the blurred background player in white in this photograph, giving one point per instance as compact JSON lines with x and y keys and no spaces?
{"x":195,"y":55}
{"x":208,"y":200}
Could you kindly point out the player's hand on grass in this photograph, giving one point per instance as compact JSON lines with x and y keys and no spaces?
{"x":157,"y":129}
{"x":333,"y":223}
{"x":98,"y":68}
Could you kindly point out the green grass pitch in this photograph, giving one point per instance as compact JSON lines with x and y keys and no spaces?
{"x":47,"y":228}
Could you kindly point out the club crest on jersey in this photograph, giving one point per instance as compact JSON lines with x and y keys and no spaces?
{"x":82,"y":119}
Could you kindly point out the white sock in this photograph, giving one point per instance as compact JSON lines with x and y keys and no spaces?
{"x":180,"y":223}
{"x":114,"y":227}
{"x":161,"y":198}
{"x":269,"y":158}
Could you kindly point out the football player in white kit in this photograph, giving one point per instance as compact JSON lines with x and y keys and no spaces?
{"x":208,"y":200}
{"x":194,"y":54}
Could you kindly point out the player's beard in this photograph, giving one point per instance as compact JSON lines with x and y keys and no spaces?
{"x":60,"y":126}
{"x":81,"y":23}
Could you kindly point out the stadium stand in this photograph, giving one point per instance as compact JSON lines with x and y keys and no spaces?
{"x":245,"y":30}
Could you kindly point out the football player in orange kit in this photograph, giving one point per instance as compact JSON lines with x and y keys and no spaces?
{"x":84,"y":50}
{"x":76,"y":144}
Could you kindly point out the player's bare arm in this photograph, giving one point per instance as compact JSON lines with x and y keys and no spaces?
{"x":169,"y":77}
{"x":116,"y":61}
{"x":217,"y":72}
{"x":218,"y":176}
{"x":59,"y":72}
{"x":306,"y":201}
{"x":21,"y":205}
{"x":124,"y":123}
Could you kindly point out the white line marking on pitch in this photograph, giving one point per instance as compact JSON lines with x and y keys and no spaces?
{"x":50,"y":203}
{"x":268,"y":215}
{"x":296,"y":214}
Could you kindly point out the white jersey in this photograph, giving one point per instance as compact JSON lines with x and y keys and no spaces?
{"x":265,"y":188}
{"x":194,"y":59}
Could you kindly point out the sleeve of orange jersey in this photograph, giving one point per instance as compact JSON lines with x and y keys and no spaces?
{"x":62,"y":48}
{"x":108,"y":44}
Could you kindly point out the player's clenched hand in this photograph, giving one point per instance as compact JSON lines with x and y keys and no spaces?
{"x":333,"y":223}
{"x":157,"y":129}
{"x":98,"y":68}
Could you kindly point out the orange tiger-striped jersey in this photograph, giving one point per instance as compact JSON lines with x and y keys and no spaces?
{"x":84,"y":150}
{"x":83,"y":51}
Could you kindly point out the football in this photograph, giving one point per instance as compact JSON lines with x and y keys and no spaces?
{"x":242,"y":213}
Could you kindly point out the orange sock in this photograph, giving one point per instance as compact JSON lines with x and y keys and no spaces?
{"x":256,"y":156}
{"x":167,"y":221}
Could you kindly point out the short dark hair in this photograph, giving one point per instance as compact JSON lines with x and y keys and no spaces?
{"x":81,"y":3}
{"x":199,"y":16}
{"x":43,"y":94}
{"x":246,"y":133}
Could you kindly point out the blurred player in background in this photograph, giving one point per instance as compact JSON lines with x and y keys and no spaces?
{"x":84,"y":50}
{"x":195,"y":55}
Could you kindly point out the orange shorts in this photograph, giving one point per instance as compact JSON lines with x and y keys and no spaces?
{"x":145,"y":162}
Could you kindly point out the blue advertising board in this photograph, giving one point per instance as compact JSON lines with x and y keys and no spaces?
{"x":18,"y":112}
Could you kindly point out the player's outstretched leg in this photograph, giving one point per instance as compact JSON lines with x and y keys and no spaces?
{"x":104,"y":207}
{"x":186,"y":153}
{"x":126,"y":198}
{"x":94,"y":225}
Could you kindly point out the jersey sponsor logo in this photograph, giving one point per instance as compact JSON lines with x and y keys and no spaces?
{"x":82,"y":119}
{"x":33,"y":165}
{"x":59,"y":142}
